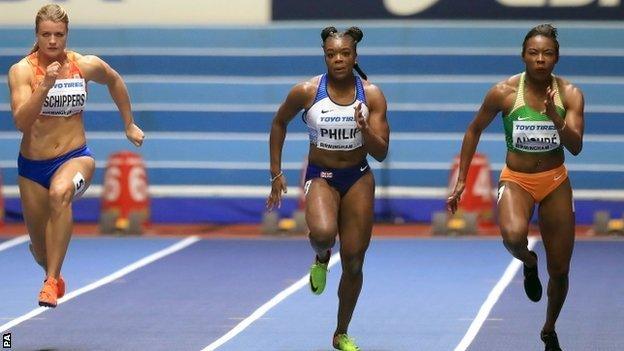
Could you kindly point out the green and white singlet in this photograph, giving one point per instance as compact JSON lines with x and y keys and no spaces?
{"x":527,"y":130}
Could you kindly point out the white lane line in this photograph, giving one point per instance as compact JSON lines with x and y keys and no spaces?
{"x":491,"y":300}
{"x":306,"y":51}
{"x":250,"y":191}
{"x":116,"y":275}
{"x":259,"y":108}
{"x":13,"y":242}
{"x":262,"y":166}
{"x":379,"y":79}
{"x":296,"y":136}
{"x":262,"y":310}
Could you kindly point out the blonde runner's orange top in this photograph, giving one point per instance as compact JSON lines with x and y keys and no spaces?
{"x":68,"y":96}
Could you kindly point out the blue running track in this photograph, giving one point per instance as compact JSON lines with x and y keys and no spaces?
{"x":419,"y":294}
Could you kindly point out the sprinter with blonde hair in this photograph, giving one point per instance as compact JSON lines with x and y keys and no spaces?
{"x":48,"y":94}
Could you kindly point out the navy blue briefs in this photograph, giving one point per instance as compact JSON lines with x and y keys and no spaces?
{"x":340,"y":179}
{"x":41,"y":171}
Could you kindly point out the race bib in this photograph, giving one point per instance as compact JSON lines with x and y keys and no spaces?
{"x":339,"y":131}
{"x":533,"y":136}
{"x":66,"y":98}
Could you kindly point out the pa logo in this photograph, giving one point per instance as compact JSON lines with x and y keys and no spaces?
{"x":6,"y":341}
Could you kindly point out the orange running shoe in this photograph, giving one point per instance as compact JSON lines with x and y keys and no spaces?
{"x":61,"y":282}
{"x":60,"y":287}
{"x":48,"y":294}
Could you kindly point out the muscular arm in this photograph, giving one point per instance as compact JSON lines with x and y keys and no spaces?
{"x":572,"y":132}
{"x":295,"y":102}
{"x":376,"y":131}
{"x":491,"y":106}
{"x":25,"y":104}
{"x":97,"y":70}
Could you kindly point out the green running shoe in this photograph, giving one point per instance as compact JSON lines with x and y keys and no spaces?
{"x":318,"y":276}
{"x":345,"y":343}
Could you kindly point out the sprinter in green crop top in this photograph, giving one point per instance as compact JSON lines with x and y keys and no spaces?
{"x":542,"y":115}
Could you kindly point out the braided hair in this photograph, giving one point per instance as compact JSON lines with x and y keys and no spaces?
{"x":354,"y":32}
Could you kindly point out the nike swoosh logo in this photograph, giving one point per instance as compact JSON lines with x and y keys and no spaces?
{"x":362,"y":169}
{"x":559,"y":176}
{"x":523,"y":118}
{"x":325,"y":111}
